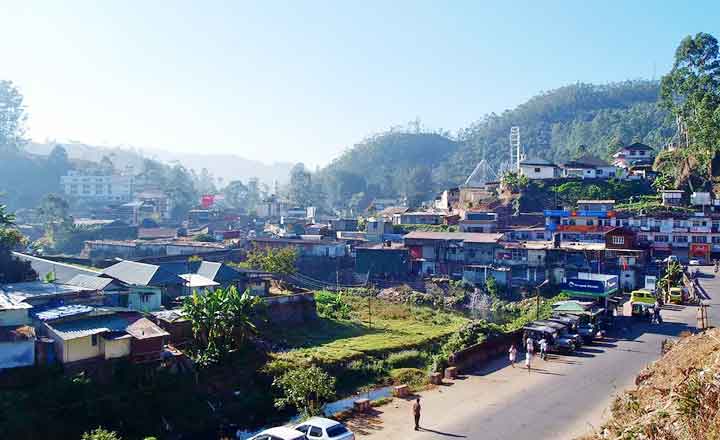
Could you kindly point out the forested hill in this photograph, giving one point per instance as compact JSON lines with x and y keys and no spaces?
{"x":553,"y":125}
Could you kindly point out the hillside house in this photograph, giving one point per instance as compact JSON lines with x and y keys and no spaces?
{"x":418,"y":218}
{"x":149,"y":284}
{"x":478,"y":221}
{"x":634,"y":154}
{"x":446,"y":253}
{"x":539,"y":169}
{"x":103,"y":335}
{"x":589,"y":167}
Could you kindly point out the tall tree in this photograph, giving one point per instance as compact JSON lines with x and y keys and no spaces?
{"x":12,"y":117}
{"x":300,"y":190}
{"x":236,"y":194}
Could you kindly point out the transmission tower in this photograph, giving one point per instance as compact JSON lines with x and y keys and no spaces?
{"x":516,"y":153}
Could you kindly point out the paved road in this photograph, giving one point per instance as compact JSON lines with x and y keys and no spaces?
{"x":63,"y":272}
{"x":711,"y":283}
{"x":560,"y":399}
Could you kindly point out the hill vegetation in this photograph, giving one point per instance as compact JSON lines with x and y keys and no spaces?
{"x":556,"y":125}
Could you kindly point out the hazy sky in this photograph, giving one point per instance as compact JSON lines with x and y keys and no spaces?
{"x":302,"y":80}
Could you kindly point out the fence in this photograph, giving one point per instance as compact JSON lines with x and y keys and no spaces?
{"x":476,"y":355}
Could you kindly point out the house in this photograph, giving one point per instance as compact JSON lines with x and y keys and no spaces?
{"x":589,"y":167}
{"x":478,"y":221}
{"x":41,"y":294}
{"x":305,"y":246}
{"x":104,"y":335}
{"x":446,"y":253}
{"x":177,"y":325}
{"x":637,"y":153}
{"x":539,"y":169}
{"x":418,"y":218}
{"x":448,"y":200}
{"x":386,"y":260}
{"x":97,"y":186}
{"x":344,"y":224}
{"x":672,"y":197}
{"x":377,"y":229}
{"x":149,"y":284}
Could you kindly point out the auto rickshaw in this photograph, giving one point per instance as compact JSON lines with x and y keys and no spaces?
{"x":674,"y":296}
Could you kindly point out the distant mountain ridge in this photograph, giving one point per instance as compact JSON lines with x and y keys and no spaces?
{"x":227,"y":166}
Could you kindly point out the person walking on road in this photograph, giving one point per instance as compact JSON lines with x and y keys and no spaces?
{"x":416,"y":413}
{"x":656,"y":313}
{"x":543,"y":348}
{"x":513,"y":355}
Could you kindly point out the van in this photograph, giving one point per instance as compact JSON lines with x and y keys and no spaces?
{"x":642,"y":296}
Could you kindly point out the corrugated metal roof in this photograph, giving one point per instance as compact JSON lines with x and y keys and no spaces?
{"x":81,"y":328}
{"x":90,"y":282}
{"x":143,"y":328}
{"x":34,"y":289}
{"x":170,"y":315}
{"x":195,"y":280}
{"x":12,"y":302}
{"x":141,"y":274}
{"x":64,"y":312}
{"x":470,"y":237}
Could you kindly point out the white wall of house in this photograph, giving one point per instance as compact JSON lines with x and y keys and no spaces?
{"x":538,"y":171}
{"x":15,"y":317}
{"x":17,"y":353}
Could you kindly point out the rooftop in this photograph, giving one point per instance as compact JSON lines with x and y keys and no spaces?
{"x":195,"y":280}
{"x":90,"y":282}
{"x":171,"y":315}
{"x":538,"y":161}
{"x":470,"y":237}
{"x":596,"y":202}
{"x":36,"y":289}
{"x":586,"y":161}
{"x":638,"y":146}
{"x":141,"y":274}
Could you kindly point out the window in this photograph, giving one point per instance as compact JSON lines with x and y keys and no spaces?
{"x":699,"y":239}
{"x":537,"y":170}
{"x":336,"y":430}
{"x":540,"y":235}
{"x":680,"y":239}
{"x":93,"y":340}
{"x":302,"y":428}
{"x":589,"y":222}
{"x":315,"y":432}
{"x":618,"y":239}
{"x":642,"y":237}
{"x":599,"y":172}
{"x":662,"y":238}
{"x":716,"y":240}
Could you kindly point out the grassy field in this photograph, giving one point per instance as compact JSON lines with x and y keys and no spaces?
{"x":375,"y":329}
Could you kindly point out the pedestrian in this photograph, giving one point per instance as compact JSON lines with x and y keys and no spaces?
{"x":530,"y":345}
{"x":543,"y":348}
{"x":528,"y":357}
{"x":656,"y":313}
{"x":513,"y":355}
{"x":416,"y":413}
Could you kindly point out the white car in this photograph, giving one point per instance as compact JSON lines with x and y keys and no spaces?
{"x":325,"y":429}
{"x":280,"y":433}
{"x":694,"y":263}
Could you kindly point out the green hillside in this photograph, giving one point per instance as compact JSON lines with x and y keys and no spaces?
{"x":553,"y":125}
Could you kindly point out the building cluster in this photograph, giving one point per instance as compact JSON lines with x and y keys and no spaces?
{"x":128,"y":310}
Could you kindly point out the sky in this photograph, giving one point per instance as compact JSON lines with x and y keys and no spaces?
{"x":301,"y":81}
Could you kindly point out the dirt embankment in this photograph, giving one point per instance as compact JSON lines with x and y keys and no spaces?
{"x":675,"y":398}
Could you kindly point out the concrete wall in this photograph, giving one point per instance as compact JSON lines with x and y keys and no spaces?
{"x":114,"y":348}
{"x":291,"y":308}
{"x":14,"y":317}
{"x":17,"y":353}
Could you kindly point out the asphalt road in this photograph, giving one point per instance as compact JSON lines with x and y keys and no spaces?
{"x":711,"y":283}
{"x":561,"y":398}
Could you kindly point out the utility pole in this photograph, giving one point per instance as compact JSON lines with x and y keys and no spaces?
{"x":537,"y":298}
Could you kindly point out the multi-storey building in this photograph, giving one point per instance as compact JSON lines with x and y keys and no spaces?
{"x":97,"y":187}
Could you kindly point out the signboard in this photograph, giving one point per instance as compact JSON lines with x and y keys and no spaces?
{"x":556,"y":213}
{"x":650,"y":282}
{"x":699,"y":249}
{"x":587,"y":287}
{"x":207,"y":201}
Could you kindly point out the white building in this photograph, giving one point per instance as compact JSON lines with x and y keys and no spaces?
{"x":539,"y":169}
{"x":111,"y":187}
{"x":589,"y":167}
{"x":632,"y":154}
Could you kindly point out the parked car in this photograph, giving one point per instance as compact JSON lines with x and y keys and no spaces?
{"x":326,"y":429}
{"x":672,"y":258}
{"x":585,"y":329}
{"x":556,"y":343}
{"x":642,"y":296}
{"x":563,"y":329}
{"x":696,"y":262}
{"x":280,"y":433}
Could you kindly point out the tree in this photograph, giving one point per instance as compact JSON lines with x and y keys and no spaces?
{"x":300,"y":189}
{"x":306,"y":389}
{"x":221,"y":319}
{"x":101,"y":434}
{"x":12,"y":117}
{"x":237,"y":194}
{"x":6,"y":218}
{"x":419,"y":185}
{"x":691,"y":92}
{"x":279,"y":261}
{"x":59,"y":159}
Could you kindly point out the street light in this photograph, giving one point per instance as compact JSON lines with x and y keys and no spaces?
{"x":537,"y":298}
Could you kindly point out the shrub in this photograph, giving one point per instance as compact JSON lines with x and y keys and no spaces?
{"x":332,"y":305}
{"x":439,"y":363}
{"x":412,"y":377}
{"x":307,"y":389}
{"x":406,"y":359}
